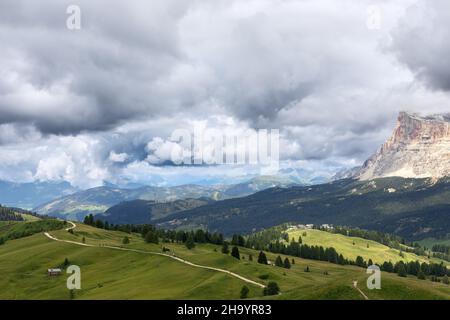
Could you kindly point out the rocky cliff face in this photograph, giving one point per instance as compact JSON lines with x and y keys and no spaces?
{"x":418,"y":148}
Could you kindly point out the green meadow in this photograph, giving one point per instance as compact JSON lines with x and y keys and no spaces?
{"x":351,"y":247}
{"x":115,"y":274}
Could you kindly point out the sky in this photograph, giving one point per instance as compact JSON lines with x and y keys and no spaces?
{"x":100,"y":102}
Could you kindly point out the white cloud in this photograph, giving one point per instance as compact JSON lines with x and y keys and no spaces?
{"x":118,"y":157}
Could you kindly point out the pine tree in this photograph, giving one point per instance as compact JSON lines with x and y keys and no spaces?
{"x":360,"y":261}
{"x":66,"y":262}
{"x":421,"y":275}
{"x":83,"y":240}
{"x":126,"y":240}
{"x":250,"y":257}
{"x":244,"y":292}
{"x":200,"y":236}
{"x":341,"y":259}
{"x":286,"y":263}
{"x":401,"y":269}
{"x":235,"y":253}
{"x":241,"y":241}
{"x":445,"y":280}
{"x":2,"y":241}
{"x":262,"y":258}
{"x":151,"y":237}
{"x":90,"y":220}
{"x":271,"y":289}
{"x":99,"y":224}
{"x":190,"y":244}
{"x":225,"y":248}
{"x":387,"y":266}
{"x":293,"y":261}
{"x":307,"y":269}
{"x":238,"y":240}
{"x":278,"y":262}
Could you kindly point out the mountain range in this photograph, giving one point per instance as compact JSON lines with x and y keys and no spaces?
{"x":147,"y":211}
{"x":97,"y":200}
{"x":412,"y":208}
{"x":403,"y":188}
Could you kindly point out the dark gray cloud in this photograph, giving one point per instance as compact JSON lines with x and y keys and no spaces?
{"x":108,"y":72}
{"x":150,"y":59}
{"x":421,"y":42}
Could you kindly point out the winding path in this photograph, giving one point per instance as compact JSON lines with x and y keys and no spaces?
{"x":355,"y":285}
{"x":48,"y":235}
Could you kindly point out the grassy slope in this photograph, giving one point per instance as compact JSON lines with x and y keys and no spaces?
{"x":430,"y":242}
{"x":343,"y":244}
{"x":110,"y":274}
{"x":29,"y":217}
{"x":106,"y":274}
{"x":18,"y":229}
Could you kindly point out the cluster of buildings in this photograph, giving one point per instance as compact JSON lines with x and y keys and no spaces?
{"x":310,"y":226}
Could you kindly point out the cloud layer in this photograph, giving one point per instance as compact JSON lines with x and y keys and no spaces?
{"x":99,"y":103}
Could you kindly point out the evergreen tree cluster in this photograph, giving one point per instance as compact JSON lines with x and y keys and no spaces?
{"x":279,"y":262}
{"x":238,"y":240}
{"x":441,"y":251}
{"x":7,"y":214}
{"x":442,"y":248}
{"x":27,"y":229}
{"x":305,"y":251}
{"x":154,"y":235}
{"x":415,"y":268}
{"x":13,"y":214}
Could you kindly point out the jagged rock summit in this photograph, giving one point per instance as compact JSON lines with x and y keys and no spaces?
{"x":418,"y":148}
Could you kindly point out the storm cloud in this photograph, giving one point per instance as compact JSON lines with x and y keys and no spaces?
{"x":421,"y":42}
{"x":98,"y":104}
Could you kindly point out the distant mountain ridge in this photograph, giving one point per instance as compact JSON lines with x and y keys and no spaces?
{"x":97,"y":200}
{"x":145,"y":212}
{"x":412,"y":208}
